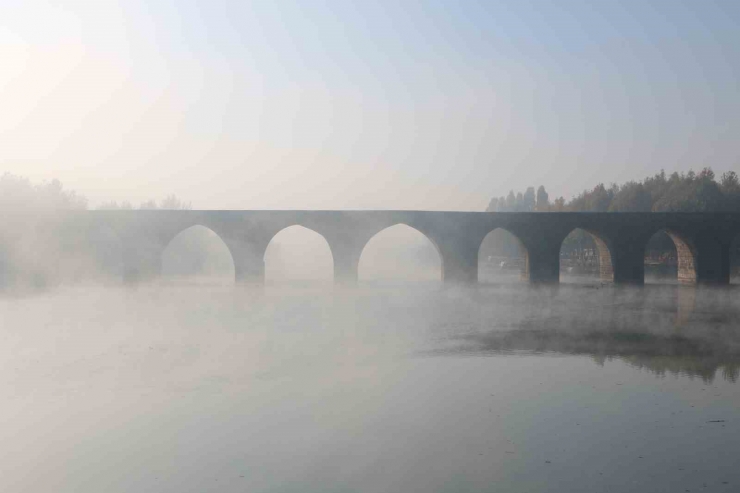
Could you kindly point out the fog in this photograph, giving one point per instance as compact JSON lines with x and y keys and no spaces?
{"x":192,"y":382}
{"x":188,"y":386}
{"x":155,"y":339}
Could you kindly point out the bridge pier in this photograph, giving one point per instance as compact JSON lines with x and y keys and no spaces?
{"x":249,"y":272}
{"x":712,"y":261}
{"x":543,"y":264}
{"x":630,"y":270}
{"x":628,"y":262}
{"x":345,"y":270}
{"x":249,"y":263}
{"x":457,"y":272}
{"x":141,"y":262}
{"x":459,"y":260}
{"x":345,"y":252}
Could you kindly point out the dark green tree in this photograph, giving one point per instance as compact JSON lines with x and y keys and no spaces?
{"x":632,"y":197}
{"x":543,"y":199}
{"x":511,"y":201}
{"x":528,"y":200}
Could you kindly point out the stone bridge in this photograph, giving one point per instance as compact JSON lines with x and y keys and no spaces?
{"x":702,"y":240}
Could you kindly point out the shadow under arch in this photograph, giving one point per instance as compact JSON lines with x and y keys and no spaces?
{"x":584,"y":252}
{"x":312,"y":261}
{"x":668,"y":252}
{"x":198,"y":252}
{"x":417,"y":261}
{"x":499,"y":252}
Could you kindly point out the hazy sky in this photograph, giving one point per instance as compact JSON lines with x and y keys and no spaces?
{"x":365,"y":104}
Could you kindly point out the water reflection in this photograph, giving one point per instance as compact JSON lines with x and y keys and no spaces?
{"x":675,"y":330}
{"x":661,"y":354}
{"x":180,"y":389}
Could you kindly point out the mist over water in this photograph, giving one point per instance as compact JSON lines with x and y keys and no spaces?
{"x":196,"y":386}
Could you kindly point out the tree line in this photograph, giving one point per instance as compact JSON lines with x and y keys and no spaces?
{"x":36,"y":251}
{"x":677,"y":192}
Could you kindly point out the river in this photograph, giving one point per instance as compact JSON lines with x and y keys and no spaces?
{"x":497,"y":388}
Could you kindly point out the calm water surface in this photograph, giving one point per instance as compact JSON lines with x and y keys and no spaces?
{"x":405,"y":388}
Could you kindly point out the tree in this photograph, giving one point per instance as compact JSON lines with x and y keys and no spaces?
{"x":511,"y":201}
{"x":706,"y":174}
{"x":691,"y":193}
{"x":497,"y":205}
{"x":19,"y":195}
{"x":677,"y":192}
{"x":171,"y":202}
{"x":33,"y":241}
{"x":599,"y":199}
{"x":707,"y":192}
{"x":730,"y":182}
{"x":632,"y":197}
{"x":543,"y":199}
{"x":113,"y":205}
{"x":528,"y":200}
{"x":730,"y":186}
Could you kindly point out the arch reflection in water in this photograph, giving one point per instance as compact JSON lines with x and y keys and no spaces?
{"x":198,"y":255}
{"x":300,"y":256}
{"x":501,"y":257}
{"x":400,"y":253}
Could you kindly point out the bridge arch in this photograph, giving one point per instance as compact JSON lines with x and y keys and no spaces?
{"x":501,"y":251}
{"x":197,"y":253}
{"x":297,"y":253}
{"x":669,"y":254}
{"x":586,"y":253}
{"x":400,"y":252}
